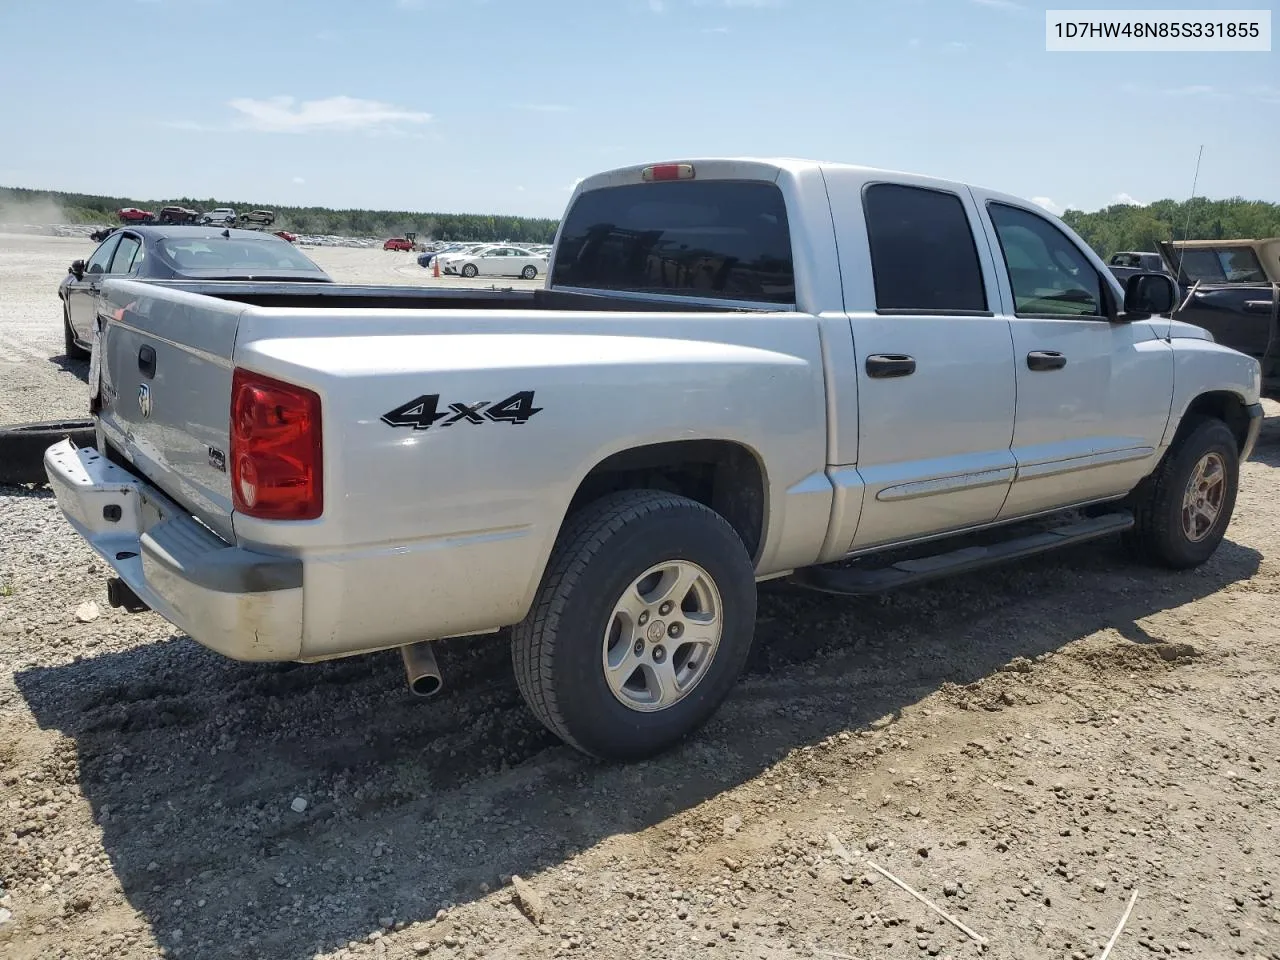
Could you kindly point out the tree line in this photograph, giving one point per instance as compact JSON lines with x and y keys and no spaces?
{"x":1131,"y":227}
{"x":90,"y":208}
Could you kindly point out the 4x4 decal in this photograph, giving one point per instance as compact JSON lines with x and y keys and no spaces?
{"x":422,"y":412}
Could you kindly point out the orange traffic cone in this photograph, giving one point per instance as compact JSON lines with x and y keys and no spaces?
{"x":435,"y":265}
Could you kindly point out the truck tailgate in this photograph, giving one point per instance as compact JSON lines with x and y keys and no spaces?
{"x":165,"y":368}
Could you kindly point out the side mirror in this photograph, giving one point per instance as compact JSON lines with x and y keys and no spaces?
{"x":1149,"y":294}
{"x":76,"y":269}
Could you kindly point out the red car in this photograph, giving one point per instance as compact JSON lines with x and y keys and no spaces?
{"x":286,"y":235}
{"x":397,"y":243}
{"x":134,"y":215}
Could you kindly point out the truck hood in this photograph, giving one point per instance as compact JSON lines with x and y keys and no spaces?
{"x":1188,"y":331}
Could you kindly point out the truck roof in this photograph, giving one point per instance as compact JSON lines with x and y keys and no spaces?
{"x":767,"y":168}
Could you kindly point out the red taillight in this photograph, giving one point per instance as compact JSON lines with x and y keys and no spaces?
{"x":276,"y":464}
{"x":668,"y":171}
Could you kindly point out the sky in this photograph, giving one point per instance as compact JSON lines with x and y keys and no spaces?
{"x":500,"y":106}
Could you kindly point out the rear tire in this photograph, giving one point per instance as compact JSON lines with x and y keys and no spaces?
{"x":624,"y":684}
{"x":1182,"y":510}
{"x":22,"y":446}
{"x":70,"y":347}
{"x":529,"y":273}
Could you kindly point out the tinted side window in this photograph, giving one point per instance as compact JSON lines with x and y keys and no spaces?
{"x":1048,"y":273}
{"x":724,"y":239}
{"x":102,"y":256}
{"x":122,"y":262}
{"x":923,"y":255}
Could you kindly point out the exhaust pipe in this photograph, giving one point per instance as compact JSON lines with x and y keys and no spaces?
{"x":420,"y":669}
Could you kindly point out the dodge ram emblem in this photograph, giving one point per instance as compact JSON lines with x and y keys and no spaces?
{"x":144,"y":400}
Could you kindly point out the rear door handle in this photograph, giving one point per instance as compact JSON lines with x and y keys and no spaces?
{"x":885,"y":365}
{"x":147,"y":361}
{"x":1046,"y":360}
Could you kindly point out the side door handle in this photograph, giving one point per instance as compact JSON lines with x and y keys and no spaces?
{"x":1046,"y":360}
{"x":147,"y":361}
{"x":885,"y":365}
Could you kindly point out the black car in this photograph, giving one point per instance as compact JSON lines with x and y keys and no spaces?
{"x":174,"y":253}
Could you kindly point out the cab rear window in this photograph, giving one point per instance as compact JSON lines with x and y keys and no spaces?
{"x":718,"y":239}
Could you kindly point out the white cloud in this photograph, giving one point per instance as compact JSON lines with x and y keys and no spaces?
{"x":1125,"y":198}
{"x":287,"y":115}
{"x":1194,"y":90}
{"x":299,"y":180}
{"x":546,"y":107}
{"x":1007,"y":5}
{"x":716,"y":30}
{"x":958,"y":45}
{"x":914,"y":43}
{"x":1048,"y":204}
{"x":658,"y":6}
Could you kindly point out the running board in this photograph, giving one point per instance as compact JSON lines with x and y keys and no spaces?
{"x":853,"y":581}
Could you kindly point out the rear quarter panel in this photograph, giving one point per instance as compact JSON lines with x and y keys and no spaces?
{"x":446,"y":530}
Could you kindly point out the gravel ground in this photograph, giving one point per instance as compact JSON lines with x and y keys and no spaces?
{"x":1027,"y":748}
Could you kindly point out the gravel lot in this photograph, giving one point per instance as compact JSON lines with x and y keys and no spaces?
{"x":1026,"y":748}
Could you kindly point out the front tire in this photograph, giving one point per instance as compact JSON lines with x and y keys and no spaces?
{"x":1182,"y":510}
{"x":641,"y":626}
{"x":470,"y":271}
{"x":70,"y":347}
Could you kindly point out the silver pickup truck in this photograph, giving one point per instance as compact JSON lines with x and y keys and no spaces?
{"x":736,"y":370}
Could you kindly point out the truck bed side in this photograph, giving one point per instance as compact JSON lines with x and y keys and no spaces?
{"x":478,"y":498}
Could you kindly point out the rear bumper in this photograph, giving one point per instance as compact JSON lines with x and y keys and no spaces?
{"x":1256,"y":414}
{"x":244,"y":605}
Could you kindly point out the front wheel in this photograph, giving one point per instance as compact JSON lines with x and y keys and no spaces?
{"x":529,"y":272}
{"x":469,"y":271}
{"x":641,"y":626}
{"x":70,"y":348}
{"x":1182,"y":510}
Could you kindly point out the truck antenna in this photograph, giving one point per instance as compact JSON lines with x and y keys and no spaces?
{"x":1186,"y":233}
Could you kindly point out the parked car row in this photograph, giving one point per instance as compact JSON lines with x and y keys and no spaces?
{"x":220,"y":216}
{"x":527,"y":261}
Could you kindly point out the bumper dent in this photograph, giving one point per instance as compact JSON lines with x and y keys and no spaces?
{"x":244,"y":605}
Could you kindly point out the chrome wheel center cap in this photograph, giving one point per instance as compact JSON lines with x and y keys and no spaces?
{"x":656,"y":631}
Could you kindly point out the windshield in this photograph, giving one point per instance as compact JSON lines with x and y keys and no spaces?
{"x":189,"y":253}
{"x":1222,"y":265}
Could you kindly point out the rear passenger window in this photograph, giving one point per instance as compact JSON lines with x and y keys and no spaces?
{"x":715,"y":239}
{"x":923,"y":255}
